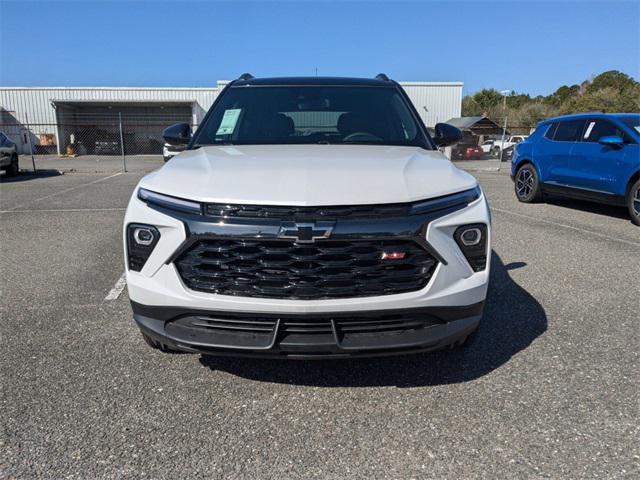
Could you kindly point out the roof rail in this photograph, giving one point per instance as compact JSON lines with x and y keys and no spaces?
{"x":245,"y":76}
{"x":383,"y":77}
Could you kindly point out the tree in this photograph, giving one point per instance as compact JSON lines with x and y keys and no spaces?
{"x":481,"y":103}
{"x":605,"y":99}
{"x":518,"y":100}
{"x":563,"y":94}
{"x":621,"y":82}
{"x":611,"y":91}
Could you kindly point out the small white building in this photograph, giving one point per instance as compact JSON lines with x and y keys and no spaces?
{"x":52,"y":117}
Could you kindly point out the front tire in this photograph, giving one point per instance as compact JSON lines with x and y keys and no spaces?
{"x":633,"y":202}
{"x":527,"y":184}
{"x":14,"y":167}
{"x":495,"y":152}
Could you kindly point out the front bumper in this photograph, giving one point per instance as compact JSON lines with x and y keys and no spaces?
{"x":365,"y":334}
{"x":450,"y":305}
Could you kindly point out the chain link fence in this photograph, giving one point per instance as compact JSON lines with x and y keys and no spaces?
{"x":97,"y":136}
{"x":122,"y":134}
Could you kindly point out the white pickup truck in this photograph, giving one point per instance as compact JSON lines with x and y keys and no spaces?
{"x":512,"y":140}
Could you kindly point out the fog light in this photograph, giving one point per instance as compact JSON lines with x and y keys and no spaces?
{"x":472,"y":240}
{"x":141,"y":240}
{"x":143,"y":236}
{"x":471,"y":236}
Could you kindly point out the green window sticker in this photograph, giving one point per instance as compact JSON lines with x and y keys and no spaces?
{"x":229,"y":120}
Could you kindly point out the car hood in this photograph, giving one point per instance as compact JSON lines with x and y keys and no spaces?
{"x":311,"y":175}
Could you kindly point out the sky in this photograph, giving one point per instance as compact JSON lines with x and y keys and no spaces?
{"x":530,"y":47}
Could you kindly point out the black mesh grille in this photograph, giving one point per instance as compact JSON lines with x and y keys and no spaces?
{"x":284,"y":269}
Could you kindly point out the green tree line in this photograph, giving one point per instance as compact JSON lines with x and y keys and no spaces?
{"x":611,"y":91}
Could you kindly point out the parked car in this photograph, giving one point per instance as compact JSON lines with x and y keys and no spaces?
{"x":468,"y":152}
{"x":512,"y":140}
{"x":590,"y":156}
{"x":487,"y":145}
{"x":170,"y":151}
{"x":8,"y":156}
{"x":108,"y":145}
{"x":507,"y":155}
{"x":267,"y":241}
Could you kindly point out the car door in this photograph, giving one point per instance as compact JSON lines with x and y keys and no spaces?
{"x":596,"y":167}
{"x":554,"y":150}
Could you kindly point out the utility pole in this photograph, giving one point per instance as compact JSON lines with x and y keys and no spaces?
{"x":33,"y":162}
{"x":504,"y":128}
{"x":124,"y":160}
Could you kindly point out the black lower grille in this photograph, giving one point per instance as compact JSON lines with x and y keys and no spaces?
{"x":325,"y":269}
{"x":378,"y":323}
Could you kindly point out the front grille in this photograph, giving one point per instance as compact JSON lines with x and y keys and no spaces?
{"x":314,"y":325}
{"x":306,"y":213}
{"x":284,"y":269}
{"x":389,"y":323}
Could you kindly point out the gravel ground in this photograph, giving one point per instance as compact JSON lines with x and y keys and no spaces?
{"x":547,"y":389}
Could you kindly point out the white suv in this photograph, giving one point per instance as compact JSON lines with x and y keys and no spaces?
{"x":308,"y":217}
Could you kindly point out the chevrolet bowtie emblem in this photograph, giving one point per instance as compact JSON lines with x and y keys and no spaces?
{"x":306,"y":232}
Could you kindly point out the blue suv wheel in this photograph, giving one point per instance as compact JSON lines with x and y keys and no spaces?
{"x":633,"y":202}
{"x":527,"y":184}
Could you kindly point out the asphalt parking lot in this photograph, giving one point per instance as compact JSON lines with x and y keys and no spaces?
{"x":547,"y":389}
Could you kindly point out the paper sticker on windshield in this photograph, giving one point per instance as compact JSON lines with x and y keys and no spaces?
{"x":589,"y":128}
{"x":229,"y":120}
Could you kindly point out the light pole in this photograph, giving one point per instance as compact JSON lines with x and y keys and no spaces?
{"x":504,"y":94}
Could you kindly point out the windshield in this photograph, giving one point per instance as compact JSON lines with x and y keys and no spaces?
{"x":632,"y":121}
{"x":258,"y":115}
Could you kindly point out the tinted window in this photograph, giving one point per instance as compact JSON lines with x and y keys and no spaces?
{"x":2,"y":137}
{"x":632,"y":121}
{"x":311,"y":114}
{"x":569,"y":131}
{"x":596,"y":129}
{"x":551,"y":131}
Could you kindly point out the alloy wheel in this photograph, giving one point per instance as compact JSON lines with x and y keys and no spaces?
{"x":524,"y":183}
{"x":636,"y":202}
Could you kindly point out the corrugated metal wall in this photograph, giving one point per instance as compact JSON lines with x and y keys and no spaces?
{"x":435,"y":102}
{"x":442,"y":100}
{"x":35,"y":103}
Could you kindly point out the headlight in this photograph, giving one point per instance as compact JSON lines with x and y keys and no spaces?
{"x":165,"y":201}
{"x":448,"y":201}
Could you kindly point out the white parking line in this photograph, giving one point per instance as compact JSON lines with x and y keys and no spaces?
{"x":117,"y":288}
{"x":75,"y":187}
{"x":564,"y":225}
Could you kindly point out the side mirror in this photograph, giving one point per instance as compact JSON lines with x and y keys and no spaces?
{"x":612,"y":141}
{"x":446,"y":135}
{"x":177,"y":134}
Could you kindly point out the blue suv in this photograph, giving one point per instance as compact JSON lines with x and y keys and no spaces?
{"x":589,"y":156}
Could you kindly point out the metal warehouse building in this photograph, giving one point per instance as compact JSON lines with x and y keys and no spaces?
{"x":49,"y":119}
